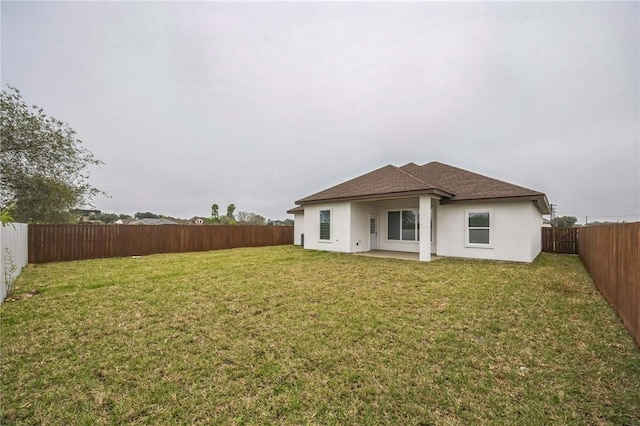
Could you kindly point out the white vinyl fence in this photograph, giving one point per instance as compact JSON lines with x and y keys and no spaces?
{"x":14,"y":255}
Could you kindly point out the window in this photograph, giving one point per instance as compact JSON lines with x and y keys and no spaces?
{"x":403,"y":225}
{"x":409,"y":225}
{"x":393,"y":225}
{"x":479,"y":228}
{"x":325,"y":225}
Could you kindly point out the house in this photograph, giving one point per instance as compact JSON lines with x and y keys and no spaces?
{"x":433,"y":209}
{"x":86,"y":215}
{"x":197,"y":220}
{"x":124,"y":221}
{"x":149,"y":221}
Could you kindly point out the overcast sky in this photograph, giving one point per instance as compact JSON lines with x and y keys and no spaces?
{"x":261,"y":104}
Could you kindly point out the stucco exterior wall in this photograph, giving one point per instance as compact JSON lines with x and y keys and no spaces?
{"x":536,"y":234}
{"x":298,"y":228}
{"x":360,"y":213}
{"x":350,"y":226}
{"x":515,"y":231}
{"x":340,"y":227}
{"x":515,"y":228}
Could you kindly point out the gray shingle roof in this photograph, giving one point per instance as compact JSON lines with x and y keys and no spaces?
{"x":386,"y":181}
{"x":150,"y":221}
{"x":296,"y":209}
{"x":451,"y":183}
{"x":467,"y":185}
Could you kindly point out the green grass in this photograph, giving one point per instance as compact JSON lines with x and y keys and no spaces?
{"x":281,"y":335}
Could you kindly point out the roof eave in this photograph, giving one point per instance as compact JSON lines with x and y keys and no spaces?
{"x":381,"y":196}
{"x":540,"y":201}
{"x":543,"y":205}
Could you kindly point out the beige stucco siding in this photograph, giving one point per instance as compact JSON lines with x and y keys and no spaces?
{"x":340,"y":227}
{"x":515,"y":231}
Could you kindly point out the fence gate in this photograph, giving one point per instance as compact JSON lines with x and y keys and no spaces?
{"x":560,"y":240}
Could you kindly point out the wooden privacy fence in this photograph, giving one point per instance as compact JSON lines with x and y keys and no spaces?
{"x":560,"y":240}
{"x":611,"y":254}
{"x":55,"y":243}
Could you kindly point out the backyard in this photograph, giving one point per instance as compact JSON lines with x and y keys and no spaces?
{"x":281,"y":335}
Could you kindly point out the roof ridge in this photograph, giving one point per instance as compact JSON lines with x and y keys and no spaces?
{"x":429,"y":184}
{"x":420,"y":167}
{"x":410,"y":163}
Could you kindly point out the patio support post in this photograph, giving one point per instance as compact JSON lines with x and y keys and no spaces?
{"x":425,"y":228}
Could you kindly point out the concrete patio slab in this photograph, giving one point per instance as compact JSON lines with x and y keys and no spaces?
{"x":403,"y":255}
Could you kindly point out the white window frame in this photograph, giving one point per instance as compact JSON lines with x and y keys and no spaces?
{"x":400,"y":210}
{"x":467,"y":228}
{"x":320,"y":240}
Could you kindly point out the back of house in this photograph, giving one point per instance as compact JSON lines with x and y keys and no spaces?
{"x":433,"y":209}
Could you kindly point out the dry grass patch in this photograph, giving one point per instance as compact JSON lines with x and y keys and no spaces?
{"x":280,"y":335}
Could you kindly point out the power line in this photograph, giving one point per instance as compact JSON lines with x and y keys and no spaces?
{"x":604,"y":216}
{"x":619,"y":215}
{"x":588,"y":218}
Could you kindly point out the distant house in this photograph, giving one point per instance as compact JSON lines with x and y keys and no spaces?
{"x":123,"y":221}
{"x":148,"y":221}
{"x":430,"y":209}
{"x":197,"y":220}
{"x":85,"y":215}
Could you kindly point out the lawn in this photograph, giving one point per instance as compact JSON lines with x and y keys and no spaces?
{"x":280,"y":335}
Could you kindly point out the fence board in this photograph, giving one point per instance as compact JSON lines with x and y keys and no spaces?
{"x":611,"y":254}
{"x":55,"y":243}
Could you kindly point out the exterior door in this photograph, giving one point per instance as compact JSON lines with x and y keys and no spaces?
{"x":373,"y":232}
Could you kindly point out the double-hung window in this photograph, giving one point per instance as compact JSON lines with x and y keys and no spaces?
{"x":403,"y":225}
{"x":325,"y":225}
{"x":478,"y":228}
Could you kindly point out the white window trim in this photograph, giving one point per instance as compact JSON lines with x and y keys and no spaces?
{"x":402,"y":209}
{"x":330,"y":240}
{"x":466,"y":228}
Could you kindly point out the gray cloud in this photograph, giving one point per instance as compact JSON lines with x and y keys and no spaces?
{"x":263,"y":103}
